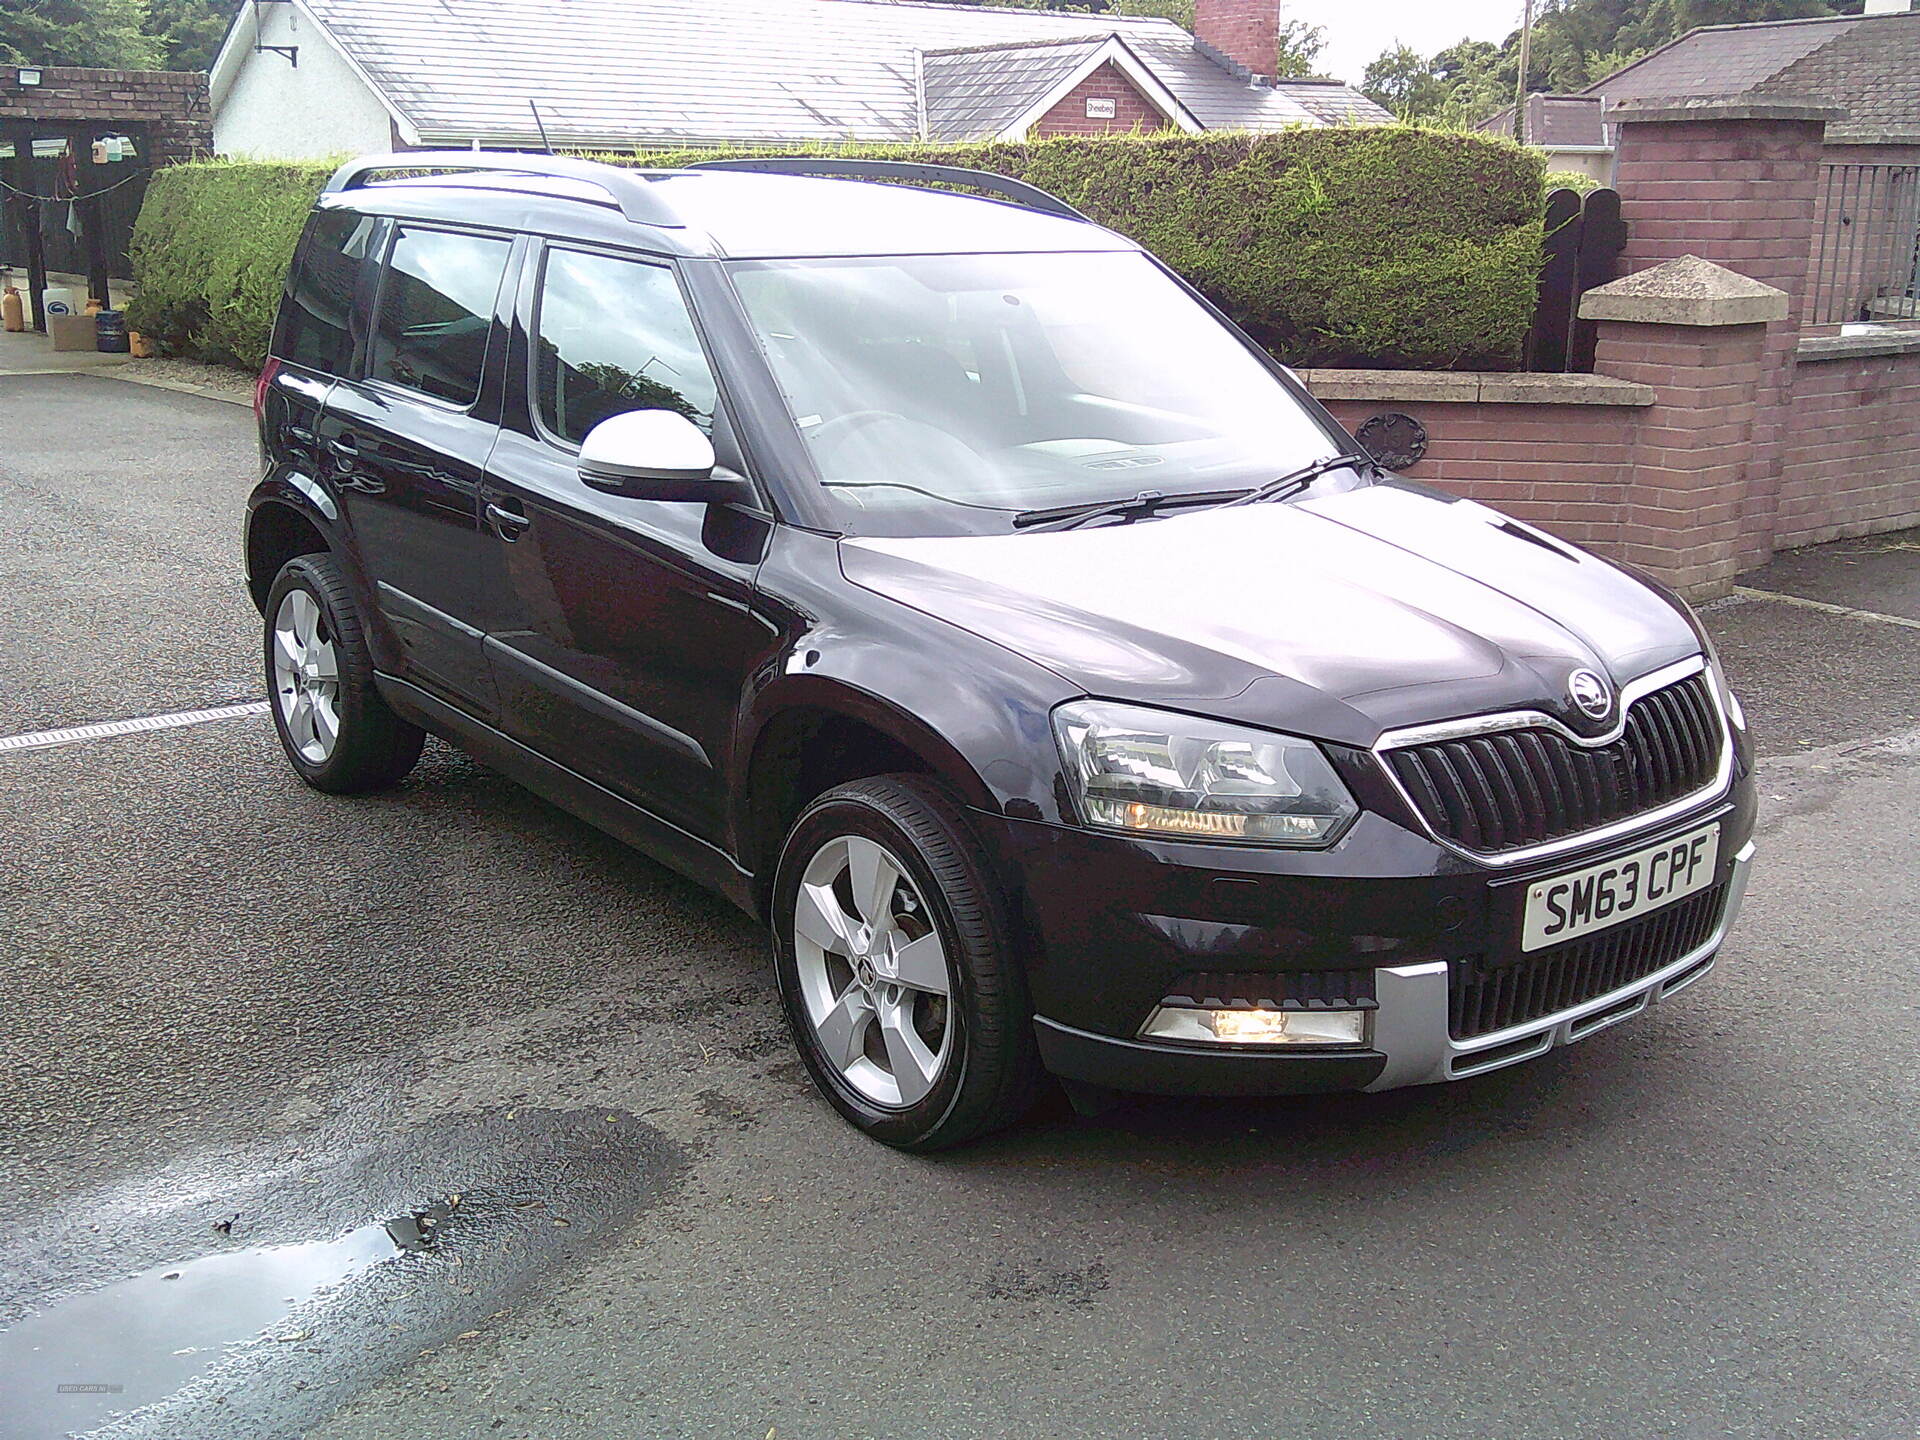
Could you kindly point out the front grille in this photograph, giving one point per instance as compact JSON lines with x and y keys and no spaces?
{"x":1490,"y":994}
{"x":1516,"y":788}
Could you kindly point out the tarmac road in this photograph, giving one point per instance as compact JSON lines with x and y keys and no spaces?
{"x":231,"y":1001}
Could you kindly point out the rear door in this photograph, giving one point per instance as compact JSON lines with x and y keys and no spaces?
{"x":315,"y":336}
{"x":405,"y":442}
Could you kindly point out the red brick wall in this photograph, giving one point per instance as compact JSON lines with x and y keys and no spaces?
{"x":1750,"y":445}
{"x":1247,"y":31}
{"x":1852,"y":449}
{"x":1130,"y":108}
{"x":1561,"y":467}
{"x":1664,"y":486}
{"x":172,"y":105}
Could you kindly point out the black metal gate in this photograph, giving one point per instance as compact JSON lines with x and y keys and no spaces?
{"x":1583,"y":243}
{"x":1866,"y":256}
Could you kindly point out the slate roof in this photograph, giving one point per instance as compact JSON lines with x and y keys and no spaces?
{"x":1869,"y":65}
{"x":1333,"y":102}
{"x":705,"y":72}
{"x":984,"y":89}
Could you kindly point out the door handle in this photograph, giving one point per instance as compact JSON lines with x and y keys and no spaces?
{"x":346,"y":447}
{"x":509,"y":525}
{"x":298,"y":435}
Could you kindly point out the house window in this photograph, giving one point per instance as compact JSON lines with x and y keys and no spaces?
{"x":436,"y":312}
{"x":615,"y":336}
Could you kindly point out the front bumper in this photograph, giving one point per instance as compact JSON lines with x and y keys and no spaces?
{"x":1409,"y":1043}
{"x":1112,"y":924}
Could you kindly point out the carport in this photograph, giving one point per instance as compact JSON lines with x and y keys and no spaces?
{"x":76,"y":149}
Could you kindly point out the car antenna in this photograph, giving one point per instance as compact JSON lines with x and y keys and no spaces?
{"x":541,"y":124}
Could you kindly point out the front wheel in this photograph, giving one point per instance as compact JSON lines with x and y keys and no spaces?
{"x":339,"y":735}
{"x":895,"y":967}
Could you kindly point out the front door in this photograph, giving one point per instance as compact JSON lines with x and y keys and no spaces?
{"x":406,"y":446}
{"x":626,"y":629}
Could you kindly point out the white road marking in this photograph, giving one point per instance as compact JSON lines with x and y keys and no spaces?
{"x":44,"y":739}
{"x":1746,"y":593}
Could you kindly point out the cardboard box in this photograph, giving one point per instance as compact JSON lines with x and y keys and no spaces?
{"x":71,"y":332}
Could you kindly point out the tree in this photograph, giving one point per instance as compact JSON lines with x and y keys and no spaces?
{"x":1575,"y":44}
{"x":190,"y":31}
{"x":1300,"y":47}
{"x":1405,"y":82}
{"x":109,"y":34}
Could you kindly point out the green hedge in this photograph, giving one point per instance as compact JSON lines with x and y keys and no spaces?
{"x":210,"y":251}
{"x":1387,"y":246}
{"x":1392,"y":246}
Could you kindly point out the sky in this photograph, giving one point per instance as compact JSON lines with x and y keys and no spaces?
{"x":1358,"y":30}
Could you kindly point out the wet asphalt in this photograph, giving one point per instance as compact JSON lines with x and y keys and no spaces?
{"x":226,"y":1000}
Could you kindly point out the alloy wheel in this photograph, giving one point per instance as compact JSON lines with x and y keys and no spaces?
{"x":306,"y":677}
{"x":874,"y":977}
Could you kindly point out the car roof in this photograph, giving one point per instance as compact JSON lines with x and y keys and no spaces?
{"x":738,"y":215}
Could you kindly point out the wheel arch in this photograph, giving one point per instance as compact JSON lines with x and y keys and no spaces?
{"x":277,"y":531}
{"x":824,"y":733}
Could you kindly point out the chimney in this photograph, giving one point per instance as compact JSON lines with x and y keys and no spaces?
{"x":1247,"y":32}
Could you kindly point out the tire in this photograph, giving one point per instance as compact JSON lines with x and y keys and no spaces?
{"x":320,"y":679}
{"x":987,"y":1065}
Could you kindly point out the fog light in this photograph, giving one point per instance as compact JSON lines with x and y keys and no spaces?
{"x":1257,"y":1027}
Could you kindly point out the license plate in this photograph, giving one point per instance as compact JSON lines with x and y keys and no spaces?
{"x":1569,"y":906}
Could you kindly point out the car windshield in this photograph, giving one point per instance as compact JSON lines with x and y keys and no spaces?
{"x":943,"y":395}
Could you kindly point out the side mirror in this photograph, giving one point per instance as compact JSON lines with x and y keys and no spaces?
{"x":656,"y":455}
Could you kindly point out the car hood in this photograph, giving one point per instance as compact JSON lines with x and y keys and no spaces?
{"x":1336,"y":617}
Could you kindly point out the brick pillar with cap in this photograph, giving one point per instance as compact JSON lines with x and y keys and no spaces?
{"x":1735,"y":182}
{"x":1699,"y":335}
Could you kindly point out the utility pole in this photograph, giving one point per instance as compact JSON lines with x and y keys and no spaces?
{"x":1520,"y":81}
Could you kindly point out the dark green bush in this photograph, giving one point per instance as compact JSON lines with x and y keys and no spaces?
{"x":1391,"y":246}
{"x":210,"y":251}
{"x":1396,"y":247}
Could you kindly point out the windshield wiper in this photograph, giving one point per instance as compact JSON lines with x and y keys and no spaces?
{"x":1147,"y":502}
{"x":1296,"y":480}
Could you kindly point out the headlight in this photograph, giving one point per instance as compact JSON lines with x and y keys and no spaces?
{"x":1157,"y":773}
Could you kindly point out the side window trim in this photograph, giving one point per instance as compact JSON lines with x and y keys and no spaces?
{"x":366,"y":297}
{"x":363,"y":357}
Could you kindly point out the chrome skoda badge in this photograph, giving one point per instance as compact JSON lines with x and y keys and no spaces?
{"x":1590,"y":693}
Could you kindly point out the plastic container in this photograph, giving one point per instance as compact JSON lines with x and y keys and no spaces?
{"x":110,"y":332}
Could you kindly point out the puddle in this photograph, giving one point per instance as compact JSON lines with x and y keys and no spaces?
{"x":114,"y":1349}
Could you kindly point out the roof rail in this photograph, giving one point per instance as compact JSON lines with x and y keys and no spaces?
{"x":1018,"y":191}
{"x":630,"y":190}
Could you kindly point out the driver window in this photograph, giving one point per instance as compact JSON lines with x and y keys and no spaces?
{"x":615,"y":335}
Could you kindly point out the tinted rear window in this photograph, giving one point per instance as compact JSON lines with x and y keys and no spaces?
{"x":436,"y":311}
{"x":316,"y":322}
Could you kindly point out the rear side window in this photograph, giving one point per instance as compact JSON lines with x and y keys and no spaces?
{"x":316,"y":322}
{"x":436,"y":311}
{"x":615,"y":335}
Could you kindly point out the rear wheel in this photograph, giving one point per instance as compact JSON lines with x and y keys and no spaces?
{"x":899,"y":983}
{"x":338,"y":734}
